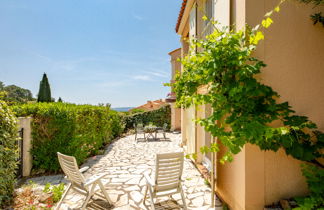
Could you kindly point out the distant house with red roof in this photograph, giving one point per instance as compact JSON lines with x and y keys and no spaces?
{"x":152,"y":105}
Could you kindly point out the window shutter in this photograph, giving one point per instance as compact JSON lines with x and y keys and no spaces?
{"x":192,"y":22}
{"x":222,"y":12}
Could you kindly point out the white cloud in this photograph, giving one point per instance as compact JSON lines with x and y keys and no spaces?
{"x":42,"y":57}
{"x":65,"y":64}
{"x":158,"y":74}
{"x":142,"y":77}
{"x":138,"y":17}
{"x":113,"y":84}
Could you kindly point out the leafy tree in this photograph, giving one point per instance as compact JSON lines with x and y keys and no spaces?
{"x":60,"y":100}
{"x":44,"y":93}
{"x":17,"y":94}
{"x":1,"y":86}
{"x":13,"y":94}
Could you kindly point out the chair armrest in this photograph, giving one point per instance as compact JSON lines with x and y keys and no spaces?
{"x":148,"y":179}
{"x":94,"y":178}
{"x":84,"y":169}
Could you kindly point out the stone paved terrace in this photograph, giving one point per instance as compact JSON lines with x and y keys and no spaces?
{"x":125,"y":161}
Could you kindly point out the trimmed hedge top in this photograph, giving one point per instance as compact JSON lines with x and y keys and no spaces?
{"x":77,"y":130}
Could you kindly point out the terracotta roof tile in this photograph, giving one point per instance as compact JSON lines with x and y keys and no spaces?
{"x":183,"y":6}
{"x":152,"y":105}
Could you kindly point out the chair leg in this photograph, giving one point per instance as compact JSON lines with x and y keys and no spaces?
{"x":104,"y":192}
{"x":151,"y":198}
{"x":63,"y":196}
{"x":89,"y":195}
{"x":86,"y":201}
{"x":183,"y":198}
{"x":145,"y":194}
{"x":164,"y":135}
{"x":136,"y":137}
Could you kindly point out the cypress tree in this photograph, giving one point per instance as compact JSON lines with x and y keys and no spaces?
{"x":44,"y":93}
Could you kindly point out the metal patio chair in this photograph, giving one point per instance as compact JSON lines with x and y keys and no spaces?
{"x":167,"y":180}
{"x":162,"y":130}
{"x":78,"y":183}
{"x":139,"y":129}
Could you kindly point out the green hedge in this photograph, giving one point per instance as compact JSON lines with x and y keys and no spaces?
{"x":157,"y":117}
{"x":8,"y":153}
{"x":77,"y":130}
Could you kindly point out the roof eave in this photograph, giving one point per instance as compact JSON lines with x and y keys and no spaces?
{"x":174,"y":51}
{"x":184,"y":17}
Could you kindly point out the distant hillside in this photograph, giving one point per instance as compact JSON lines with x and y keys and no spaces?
{"x":122,"y":109}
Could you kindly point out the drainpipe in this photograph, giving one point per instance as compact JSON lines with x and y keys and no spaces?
{"x":212,"y":177}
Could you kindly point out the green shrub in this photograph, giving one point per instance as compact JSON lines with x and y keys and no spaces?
{"x":135,"y":111}
{"x":315,"y":180}
{"x":57,"y":191}
{"x":77,"y":130}
{"x":8,"y":153}
{"x":157,"y":117}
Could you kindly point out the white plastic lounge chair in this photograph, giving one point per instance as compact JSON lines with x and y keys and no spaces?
{"x":77,"y":181}
{"x":162,"y":130}
{"x":167,"y":179}
{"x":139,"y":129}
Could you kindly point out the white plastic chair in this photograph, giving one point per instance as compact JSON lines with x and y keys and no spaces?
{"x":167,"y":181}
{"x":77,"y":181}
{"x":139,"y":129}
{"x":162,"y":130}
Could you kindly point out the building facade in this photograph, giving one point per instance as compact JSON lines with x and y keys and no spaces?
{"x":175,"y":55}
{"x":293,"y":51}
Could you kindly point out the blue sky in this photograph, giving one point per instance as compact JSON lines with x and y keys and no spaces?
{"x":93,"y":51}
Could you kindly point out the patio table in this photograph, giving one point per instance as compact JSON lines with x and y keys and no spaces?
{"x":150,"y":130}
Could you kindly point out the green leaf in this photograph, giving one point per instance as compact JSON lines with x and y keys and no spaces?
{"x":214,"y":147}
{"x":267,"y":22}
{"x":256,"y":38}
{"x":204,"y":18}
{"x":194,"y":156}
{"x":277,"y":9}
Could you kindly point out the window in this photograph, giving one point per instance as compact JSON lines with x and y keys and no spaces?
{"x":209,"y":10}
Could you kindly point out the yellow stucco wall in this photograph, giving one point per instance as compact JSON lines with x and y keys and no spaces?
{"x":200,"y":133}
{"x":283,"y":177}
{"x":231,"y":180}
{"x":256,"y":178}
{"x":175,"y":64}
{"x":297,"y":72}
{"x":293,"y":51}
{"x":190,"y":125}
{"x":175,"y":118}
{"x":184,"y":52}
{"x":175,"y":69}
{"x":270,"y":177}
